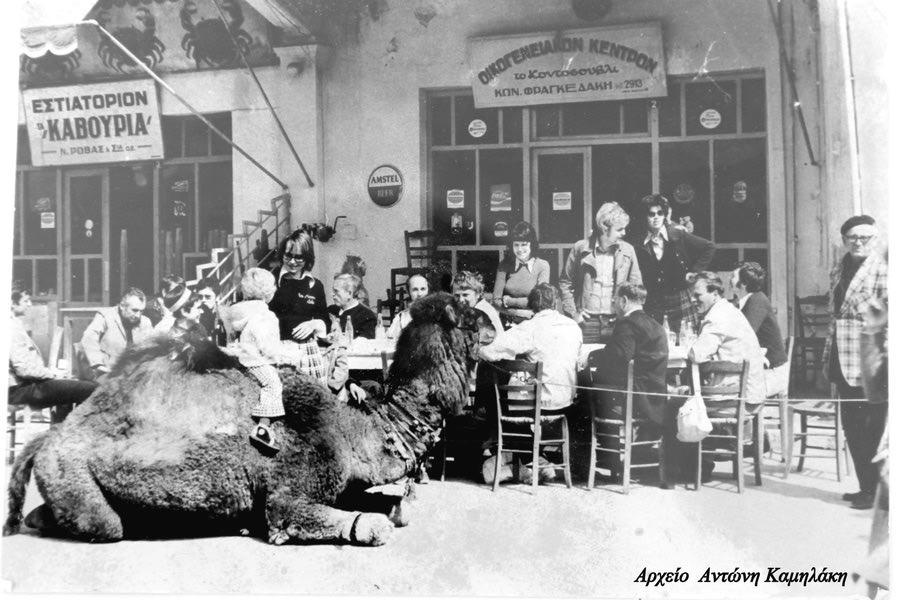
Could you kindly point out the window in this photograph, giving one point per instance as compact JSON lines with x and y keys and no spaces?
{"x":704,"y":149}
{"x":193,"y":185}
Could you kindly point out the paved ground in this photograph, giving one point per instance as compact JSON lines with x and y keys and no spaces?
{"x":465,"y":540}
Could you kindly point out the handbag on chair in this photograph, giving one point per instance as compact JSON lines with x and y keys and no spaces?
{"x":693,"y":423}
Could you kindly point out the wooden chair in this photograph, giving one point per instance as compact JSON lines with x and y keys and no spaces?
{"x":22,"y":421}
{"x":393,"y":304}
{"x":820,"y":420}
{"x":784,"y":420}
{"x":729,"y":394}
{"x":620,"y":430}
{"x":421,"y":252}
{"x":813,"y":320}
{"x":519,"y":406}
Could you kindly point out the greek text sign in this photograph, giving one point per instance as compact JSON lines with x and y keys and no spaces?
{"x":580,"y":65}
{"x":104,"y":122}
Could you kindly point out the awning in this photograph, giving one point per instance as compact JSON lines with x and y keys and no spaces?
{"x":49,"y":25}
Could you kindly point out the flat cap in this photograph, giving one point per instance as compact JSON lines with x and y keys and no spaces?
{"x":854,"y":221}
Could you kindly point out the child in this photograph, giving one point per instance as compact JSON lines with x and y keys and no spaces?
{"x":258,"y":348}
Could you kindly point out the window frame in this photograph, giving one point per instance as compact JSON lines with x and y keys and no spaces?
{"x":530,"y":142}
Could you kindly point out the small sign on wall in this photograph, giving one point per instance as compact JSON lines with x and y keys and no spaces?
{"x":501,"y":197}
{"x":710,"y":118}
{"x":48,"y":220}
{"x":477,"y":128}
{"x":456,"y":199}
{"x":562,"y":200}
{"x":385,"y":185}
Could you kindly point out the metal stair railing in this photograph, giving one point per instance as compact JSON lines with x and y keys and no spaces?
{"x":256,"y":245}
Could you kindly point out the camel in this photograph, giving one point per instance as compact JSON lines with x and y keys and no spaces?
{"x":160,"y":449}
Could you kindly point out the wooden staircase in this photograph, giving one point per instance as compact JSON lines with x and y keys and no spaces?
{"x":256,"y":245}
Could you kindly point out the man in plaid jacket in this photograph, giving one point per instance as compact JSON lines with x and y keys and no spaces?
{"x":858,"y":281}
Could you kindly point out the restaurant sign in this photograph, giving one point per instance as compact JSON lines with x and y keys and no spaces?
{"x":579,"y":65}
{"x":103,"y":122}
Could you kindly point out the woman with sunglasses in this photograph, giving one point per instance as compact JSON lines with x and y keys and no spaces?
{"x":668,"y":255}
{"x":299,"y":302}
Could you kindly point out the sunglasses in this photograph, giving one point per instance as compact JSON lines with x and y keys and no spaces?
{"x":288,"y":257}
{"x":656,"y":213}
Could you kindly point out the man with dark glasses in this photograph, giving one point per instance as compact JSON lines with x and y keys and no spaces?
{"x":667,"y":255}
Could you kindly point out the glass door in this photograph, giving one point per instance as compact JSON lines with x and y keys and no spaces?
{"x":86,"y":237}
{"x":561,"y":209}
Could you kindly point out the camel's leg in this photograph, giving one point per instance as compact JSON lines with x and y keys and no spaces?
{"x":79,"y":507}
{"x":306,"y":521}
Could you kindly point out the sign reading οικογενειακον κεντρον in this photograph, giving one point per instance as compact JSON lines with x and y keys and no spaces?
{"x":576,"y":65}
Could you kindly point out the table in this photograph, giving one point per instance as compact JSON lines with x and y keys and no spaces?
{"x":365,"y":354}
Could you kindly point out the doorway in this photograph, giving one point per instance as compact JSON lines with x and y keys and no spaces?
{"x":86,"y":236}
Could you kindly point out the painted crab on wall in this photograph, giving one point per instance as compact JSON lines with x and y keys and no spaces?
{"x":209,"y":41}
{"x":50,"y":67}
{"x":141,"y":41}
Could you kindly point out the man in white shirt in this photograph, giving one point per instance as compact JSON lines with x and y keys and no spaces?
{"x":725,"y":334}
{"x":548,"y":337}
{"x":417,"y":286}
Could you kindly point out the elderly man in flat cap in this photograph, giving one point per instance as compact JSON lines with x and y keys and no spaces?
{"x":858,"y":282}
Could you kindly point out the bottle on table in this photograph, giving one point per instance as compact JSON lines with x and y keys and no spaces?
{"x":686,"y":335}
{"x":380,"y":333}
{"x":670,"y":335}
{"x":348,"y":330}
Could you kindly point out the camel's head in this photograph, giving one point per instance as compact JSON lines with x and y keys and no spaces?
{"x":438,"y":349}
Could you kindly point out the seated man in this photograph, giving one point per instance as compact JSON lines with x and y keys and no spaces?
{"x":346,"y":305}
{"x":548,"y":337}
{"x":637,"y":336}
{"x":115,"y":328}
{"x":468,"y":289}
{"x":725,"y":334}
{"x":640,"y":337}
{"x":747,"y":281}
{"x":30,"y":382}
{"x":207,"y":289}
{"x":417,"y":286}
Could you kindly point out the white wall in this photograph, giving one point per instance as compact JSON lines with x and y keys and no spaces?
{"x":371,"y":97}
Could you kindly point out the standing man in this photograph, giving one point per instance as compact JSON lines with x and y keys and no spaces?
{"x":115,"y":328}
{"x":595,"y":268}
{"x":30,"y":382}
{"x":858,"y":281}
{"x":747,"y":283}
{"x":668,"y":256}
